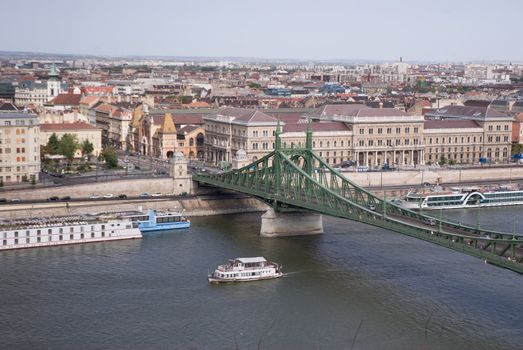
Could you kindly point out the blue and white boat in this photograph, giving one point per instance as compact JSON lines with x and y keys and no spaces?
{"x":160,"y":221}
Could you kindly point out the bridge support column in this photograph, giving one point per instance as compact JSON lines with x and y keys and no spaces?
{"x":275,"y":224}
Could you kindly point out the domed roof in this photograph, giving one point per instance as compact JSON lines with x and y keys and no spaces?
{"x":241,"y":154}
{"x":178,"y":156}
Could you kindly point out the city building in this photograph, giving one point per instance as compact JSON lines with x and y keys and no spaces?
{"x":232,"y":129}
{"x":379,"y":135}
{"x":82,"y":131}
{"x":496,"y":138}
{"x":38,"y":93}
{"x":19,"y":147}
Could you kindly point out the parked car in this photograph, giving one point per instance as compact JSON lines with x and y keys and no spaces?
{"x":3,"y":200}
{"x":156,"y":194}
{"x":145,"y":194}
{"x":429,"y":221}
{"x":347,"y":163}
{"x":121,"y":195}
{"x":53,"y":198}
{"x":16,"y":200}
{"x":109,"y":196}
{"x":66,"y":198}
{"x":94,"y":196}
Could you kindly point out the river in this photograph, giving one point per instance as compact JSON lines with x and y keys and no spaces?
{"x":354,"y":286}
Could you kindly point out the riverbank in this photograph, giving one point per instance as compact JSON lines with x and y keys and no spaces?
{"x":191,"y":207}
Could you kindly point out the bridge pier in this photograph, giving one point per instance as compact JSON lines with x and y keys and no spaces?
{"x":275,"y":224}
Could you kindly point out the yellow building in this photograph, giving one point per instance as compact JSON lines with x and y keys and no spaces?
{"x":82,"y":131}
{"x":19,"y":147}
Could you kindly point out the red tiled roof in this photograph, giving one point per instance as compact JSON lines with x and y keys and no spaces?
{"x":97,"y":90}
{"x":89,"y":100}
{"x":246,"y":115}
{"x":66,"y":100}
{"x":449,"y":124}
{"x":67,"y":126}
{"x":105,"y":108}
{"x":180,"y":119}
{"x":292,"y":118}
{"x":327,"y":126}
{"x":188,"y":129}
{"x":197,"y":104}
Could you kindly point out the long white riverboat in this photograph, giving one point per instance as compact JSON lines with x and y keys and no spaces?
{"x":246,"y":269}
{"x":53,"y":231}
{"x":466,"y":197}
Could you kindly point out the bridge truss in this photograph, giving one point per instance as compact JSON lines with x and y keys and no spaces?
{"x":297,"y":179}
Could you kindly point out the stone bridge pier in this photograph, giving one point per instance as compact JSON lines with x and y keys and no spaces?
{"x":276,"y":224}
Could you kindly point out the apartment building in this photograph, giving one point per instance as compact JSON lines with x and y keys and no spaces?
{"x":19,"y":147}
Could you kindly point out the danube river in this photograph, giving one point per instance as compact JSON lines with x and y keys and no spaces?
{"x":353,"y":287}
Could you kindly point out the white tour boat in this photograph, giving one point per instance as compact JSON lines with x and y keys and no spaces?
{"x":72,"y":229}
{"x":246,"y":269}
{"x":464,"y":197}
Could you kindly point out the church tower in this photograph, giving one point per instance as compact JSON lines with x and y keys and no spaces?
{"x":53,"y":83}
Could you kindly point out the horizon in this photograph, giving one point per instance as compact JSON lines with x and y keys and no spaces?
{"x":429,"y":31}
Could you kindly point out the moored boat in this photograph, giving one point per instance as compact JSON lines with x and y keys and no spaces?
{"x":246,"y":269}
{"x":159,"y":221}
{"x":466,"y":197}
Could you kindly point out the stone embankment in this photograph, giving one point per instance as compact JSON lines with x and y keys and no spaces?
{"x":194,"y":206}
{"x":442,"y":176}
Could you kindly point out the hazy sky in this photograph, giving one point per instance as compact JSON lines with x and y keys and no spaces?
{"x":435,"y":30}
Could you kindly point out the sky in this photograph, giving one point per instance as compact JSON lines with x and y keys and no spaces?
{"x":423,"y":30}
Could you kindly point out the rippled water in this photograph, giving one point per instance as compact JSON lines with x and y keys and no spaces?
{"x":399,"y":292}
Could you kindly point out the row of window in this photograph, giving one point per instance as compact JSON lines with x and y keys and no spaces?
{"x":48,"y":238}
{"x":379,"y":131}
{"x":498,"y":127}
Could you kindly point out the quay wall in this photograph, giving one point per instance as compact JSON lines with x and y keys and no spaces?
{"x":131,"y":187}
{"x":190,"y":207}
{"x":441,"y":176}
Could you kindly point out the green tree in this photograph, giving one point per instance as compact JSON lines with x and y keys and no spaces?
{"x":87,"y":148}
{"x":110,"y":157}
{"x":68,"y":145}
{"x":53,"y":145}
{"x":255,"y":86}
{"x":516,"y":148}
{"x":442,"y":161}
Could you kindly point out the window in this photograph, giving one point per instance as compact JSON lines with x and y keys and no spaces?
{"x":398,"y":130}
{"x":362,"y":131}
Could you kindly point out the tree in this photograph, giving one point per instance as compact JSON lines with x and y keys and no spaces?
{"x":255,"y":86}
{"x":68,"y":145}
{"x":109,"y":156}
{"x":87,"y":148}
{"x":442,"y":161}
{"x":53,"y":145}
{"x":516,"y":148}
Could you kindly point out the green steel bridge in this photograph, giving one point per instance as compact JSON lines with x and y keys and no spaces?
{"x":296,"y":179}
